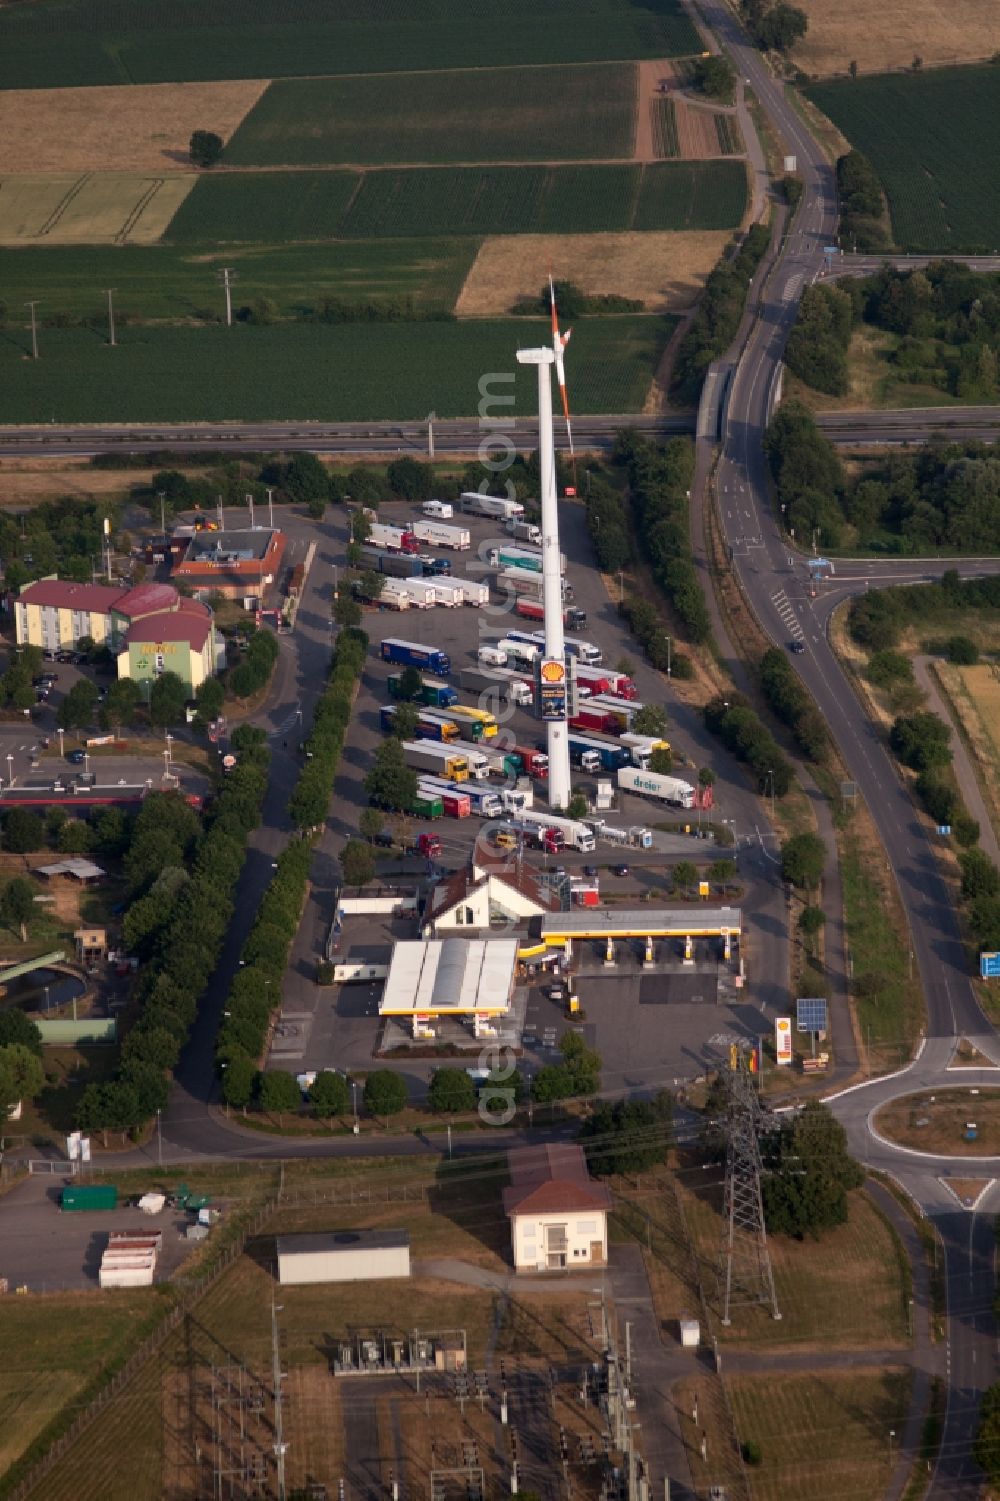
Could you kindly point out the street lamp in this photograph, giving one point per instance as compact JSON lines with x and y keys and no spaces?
{"x":86,"y":762}
{"x":670,"y":642}
{"x":771,"y":776}
{"x":354,"y":1092}
{"x":10,"y":769}
{"x":892,"y":1435}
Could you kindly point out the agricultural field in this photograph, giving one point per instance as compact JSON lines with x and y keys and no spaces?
{"x":934,"y":139}
{"x":821,"y":1435}
{"x":59,"y":43}
{"x":665,"y":271}
{"x":167,"y":282}
{"x":108,"y":208}
{"x":116,"y":129}
{"x":510,"y":114}
{"x":728,"y":132}
{"x":664,"y":124}
{"x":351,"y":372}
{"x":691,"y":195}
{"x":973,"y":694}
{"x":387,"y":204}
{"x":890,"y":35}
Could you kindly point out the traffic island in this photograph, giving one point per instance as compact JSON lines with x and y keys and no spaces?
{"x":958,"y":1122}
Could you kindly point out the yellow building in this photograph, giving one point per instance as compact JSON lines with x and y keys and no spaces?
{"x":55,"y":613}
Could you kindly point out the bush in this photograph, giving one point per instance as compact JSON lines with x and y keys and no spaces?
{"x":963,"y":651}
{"x":752,"y":1453}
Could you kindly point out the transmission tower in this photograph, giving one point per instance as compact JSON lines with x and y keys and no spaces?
{"x":745,"y":1274}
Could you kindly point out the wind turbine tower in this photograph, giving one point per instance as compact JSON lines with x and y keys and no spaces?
{"x":552,"y":682}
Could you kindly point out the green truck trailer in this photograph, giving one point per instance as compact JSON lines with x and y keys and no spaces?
{"x":88,"y":1197}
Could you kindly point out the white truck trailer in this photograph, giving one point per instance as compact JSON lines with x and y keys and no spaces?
{"x":436,"y":534}
{"x":475,"y":592}
{"x":494,"y":506}
{"x":575,"y":835}
{"x":662,"y":789}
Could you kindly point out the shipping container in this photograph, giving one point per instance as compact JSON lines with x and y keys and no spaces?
{"x":84,"y":1198}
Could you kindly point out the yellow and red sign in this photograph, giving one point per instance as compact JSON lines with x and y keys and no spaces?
{"x":783,"y":1040}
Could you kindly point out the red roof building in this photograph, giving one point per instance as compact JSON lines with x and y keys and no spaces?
{"x":558,"y":1214}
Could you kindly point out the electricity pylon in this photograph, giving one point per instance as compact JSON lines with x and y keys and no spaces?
{"x":745,"y":1274}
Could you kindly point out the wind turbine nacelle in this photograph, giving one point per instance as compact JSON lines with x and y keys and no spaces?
{"x":535,"y":356}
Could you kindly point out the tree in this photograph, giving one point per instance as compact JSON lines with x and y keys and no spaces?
{"x":963,"y":651}
{"x":583,"y":1065}
{"x":628,"y":1136}
{"x":809,"y":1174}
{"x":78,"y":708}
{"x":781,"y":27}
{"x":391,"y":783}
{"x":76,"y":837}
{"x":121,"y":703}
{"x":346,"y":612}
{"x":385,"y":1093}
{"x":714,"y":76}
{"x":987,"y":1446}
{"x":661,"y":762}
{"x":802,"y":859}
{"x":306,"y":480}
{"x":650,"y":720}
{"x":722,"y":872}
{"x":405,"y":721}
{"x":23,"y":831}
{"x":239,"y":1080}
{"x":685,"y":874}
{"x":209,"y":696}
{"x":370,"y":823}
{"x":577,"y":807}
{"x":17,"y":905}
{"x":329,"y":1094}
{"x":811,"y":921}
{"x":451,"y":1090}
{"x":21,"y":1076}
{"x":410,"y":685}
{"x":357,"y":862}
{"x":980,"y":876}
{"x":410,"y":479}
{"x":167,"y":699}
{"x":279,"y":1092}
{"x":16,"y":1027}
{"x":205,"y":148}
{"x":921,"y":740}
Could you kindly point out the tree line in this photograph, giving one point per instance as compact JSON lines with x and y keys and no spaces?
{"x":659,"y":479}
{"x":720,"y":309}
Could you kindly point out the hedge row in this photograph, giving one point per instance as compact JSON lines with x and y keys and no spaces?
{"x":186,"y":951}
{"x":743,"y":733}
{"x":791,"y":703}
{"x":659,"y":483}
{"x":256,"y":989}
{"x":715,"y":324}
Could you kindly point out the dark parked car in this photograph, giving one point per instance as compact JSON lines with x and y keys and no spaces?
{"x":384,"y":841}
{"x":620,"y":870}
{"x":76,"y":757}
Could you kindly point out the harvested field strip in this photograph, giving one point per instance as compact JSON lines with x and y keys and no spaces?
{"x":510,"y":114}
{"x":664,"y":117}
{"x":934,"y":139}
{"x":667,"y":271}
{"x":144,"y":129}
{"x":821,"y":1435}
{"x":974,"y":694}
{"x":462,"y":200}
{"x":888,"y":33}
{"x":181,"y":282}
{"x":728,"y":132}
{"x":346,"y":372}
{"x":94,"y":207}
{"x":54,"y":43}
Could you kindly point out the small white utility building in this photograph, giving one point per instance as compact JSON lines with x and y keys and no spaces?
{"x":343,"y":1256}
{"x":558,"y":1214}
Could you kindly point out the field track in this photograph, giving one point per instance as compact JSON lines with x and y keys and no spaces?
{"x":90,"y":208}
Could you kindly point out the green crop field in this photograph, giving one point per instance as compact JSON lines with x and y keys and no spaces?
{"x":691,"y":195}
{"x":160,"y":281}
{"x":353,"y":372}
{"x":510,"y":114}
{"x":934,"y":139}
{"x":55,"y":43}
{"x":461,"y":201}
{"x":664,"y":119}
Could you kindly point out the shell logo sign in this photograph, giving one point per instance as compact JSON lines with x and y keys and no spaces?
{"x":783,"y":1040}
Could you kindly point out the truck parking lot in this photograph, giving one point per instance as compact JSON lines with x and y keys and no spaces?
{"x":324,"y":1028}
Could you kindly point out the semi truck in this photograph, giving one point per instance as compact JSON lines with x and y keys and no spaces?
{"x":534,"y":763}
{"x":436,"y":534}
{"x":532,"y":609}
{"x":525,"y":531}
{"x":440,"y":727}
{"x":475,"y":592}
{"x":524,"y":581}
{"x":508,"y":687}
{"x":584,"y":757}
{"x":588,"y":718}
{"x":575,"y":835}
{"x":610,"y":755}
{"x":603,"y":680}
{"x":436,"y":760}
{"x":395,"y":594}
{"x":502,"y":763}
{"x":484,"y":802}
{"x":474,"y":725}
{"x":413,"y":654}
{"x":454,"y":799}
{"x":653,"y":784}
{"x":392,"y":538}
{"x":501,"y":509}
{"x":427,"y":844}
{"x":624,"y":709}
{"x":642,"y":747}
{"x":507,"y":555}
{"x":432,"y":693}
{"x":518,"y":648}
{"x":510,"y":835}
{"x":584,"y":651}
{"x":397,"y":565}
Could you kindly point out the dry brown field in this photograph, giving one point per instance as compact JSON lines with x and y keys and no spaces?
{"x":696,"y":132}
{"x":890,"y":35}
{"x":665,"y":270}
{"x":141,"y":128}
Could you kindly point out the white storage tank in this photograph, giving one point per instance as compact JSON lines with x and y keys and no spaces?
{"x":343,"y":1256}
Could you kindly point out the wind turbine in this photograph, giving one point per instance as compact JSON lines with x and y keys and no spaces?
{"x":559,"y":342}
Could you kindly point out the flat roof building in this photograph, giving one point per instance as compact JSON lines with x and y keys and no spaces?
{"x":236,"y":564}
{"x":458,"y":977}
{"x":343,"y":1256}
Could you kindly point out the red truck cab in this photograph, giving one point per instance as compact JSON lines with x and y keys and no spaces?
{"x":429,"y":845}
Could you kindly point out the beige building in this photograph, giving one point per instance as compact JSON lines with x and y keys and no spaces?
{"x":55,"y":613}
{"x":558,"y":1214}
